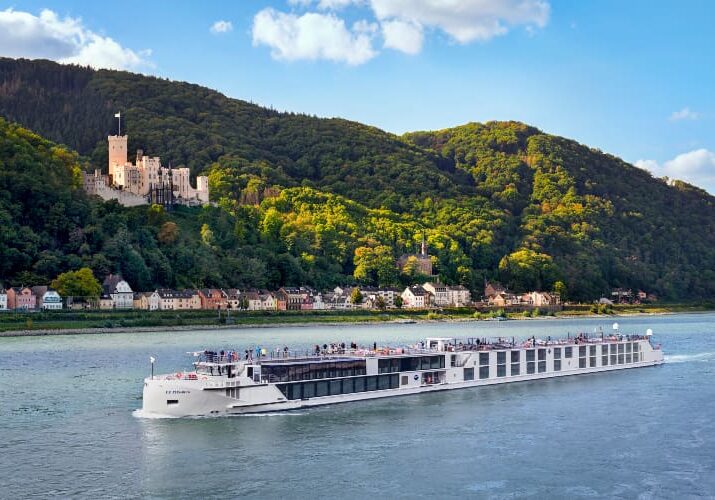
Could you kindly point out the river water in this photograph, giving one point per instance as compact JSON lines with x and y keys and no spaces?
{"x":68,"y":426}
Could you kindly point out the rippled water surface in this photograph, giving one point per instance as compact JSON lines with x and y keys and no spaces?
{"x":67,"y":428}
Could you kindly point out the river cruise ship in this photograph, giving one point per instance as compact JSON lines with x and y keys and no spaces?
{"x":257,"y":381}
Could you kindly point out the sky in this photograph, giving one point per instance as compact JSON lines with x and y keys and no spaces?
{"x":634,"y":79}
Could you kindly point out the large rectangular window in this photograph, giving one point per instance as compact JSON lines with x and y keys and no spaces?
{"x":568,"y":352}
{"x":604,"y":360}
{"x":371,"y":383}
{"x":542,"y":366}
{"x":483,"y":358}
{"x":614,"y":359}
{"x":530,"y":367}
{"x":557,"y":353}
{"x":582,"y":351}
{"x":629,"y":347}
{"x":469,"y":374}
{"x":484,"y":371}
{"x":383,"y":382}
{"x":409,"y":364}
{"x":620,"y":348}
{"x":515,"y":356}
{"x":628,"y":358}
{"x":308,"y":390}
{"x":530,"y":355}
{"x":620,"y":359}
{"x":360,"y":384}
{"x":592,"y":361}
{"x":321,"y":389}
{"x":515,"y":368}
{"x":501,"y":357}
{"x":582,"y":362}
{"x":542,"y":354}
{"x":592,"y":350}
{"x":501,"y":370}
{"x":348,"y":385}
{"x":557,"y":365}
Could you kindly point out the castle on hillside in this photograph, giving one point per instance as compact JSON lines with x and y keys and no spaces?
{"x":144,"y":181}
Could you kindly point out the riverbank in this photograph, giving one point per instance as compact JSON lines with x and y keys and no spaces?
{"x":97,"y":322}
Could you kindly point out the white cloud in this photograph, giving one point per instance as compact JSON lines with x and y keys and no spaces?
{"x":221,"y":27}
{"x":64,"y":40}
{"x":321,"y":35}
{"x":311,"y":36}
{"x":684,"y":114}
{"x":403,"y":36}
{"x":696,"y":167}
{"x":466,"y":20}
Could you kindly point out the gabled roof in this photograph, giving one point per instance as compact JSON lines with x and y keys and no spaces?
{"x":109,"y":285}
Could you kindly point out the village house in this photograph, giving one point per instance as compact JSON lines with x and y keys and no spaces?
{"x":622,"y":295}
{"x":3,"y":299}
{"x":492,"y":289}
{"x":119,"y":290}
{"x":21,"y":298}
{"x":458,"y":296}
{"x":415,"y":297}
{"x":253,"y":300}
{"x":213,"y":298}
{"x":51,"y":301}
{"x":106,"y":302}
{"x":38,"y":292}
{"x":233,"y":298}
{"x":178,"y":299}
{"x":371,"y":293}
{"x":439,"y":293}
{"x":146,"y":301}
{"x":267,"y":301}
{"x":289,"y":299}
{"x":541,"y":299}
{"x":504,"y":299}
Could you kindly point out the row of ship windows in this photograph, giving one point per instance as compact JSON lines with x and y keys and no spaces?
{"x":532,"y":354}
{"x":309,"y":371}
{"x":540,"y":367}
{"x":410,"y":364}
{"x":306,"y":390}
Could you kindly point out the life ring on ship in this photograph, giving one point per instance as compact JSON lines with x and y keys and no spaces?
{"x":179,"y":375}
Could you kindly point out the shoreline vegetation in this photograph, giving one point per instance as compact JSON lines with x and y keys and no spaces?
{"x":103,"y":322}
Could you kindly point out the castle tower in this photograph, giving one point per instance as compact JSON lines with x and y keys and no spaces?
{"x":117,"y":152}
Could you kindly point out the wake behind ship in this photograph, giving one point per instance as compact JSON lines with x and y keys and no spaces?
{"x":223,"y":384}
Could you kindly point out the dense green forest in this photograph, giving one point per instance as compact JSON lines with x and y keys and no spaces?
{"x":304,"y":200}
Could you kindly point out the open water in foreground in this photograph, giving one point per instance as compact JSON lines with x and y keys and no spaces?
{"x":67,"y":426}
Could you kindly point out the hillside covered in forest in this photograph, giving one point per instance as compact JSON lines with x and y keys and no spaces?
{"x":305,"y":200}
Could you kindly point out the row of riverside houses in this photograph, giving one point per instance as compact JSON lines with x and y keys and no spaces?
{"x":497,"y":295}
{"x":29,"y":298}
{"x":117,"y":294}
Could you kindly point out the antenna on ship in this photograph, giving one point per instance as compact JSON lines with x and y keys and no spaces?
{"x":152,"y":360}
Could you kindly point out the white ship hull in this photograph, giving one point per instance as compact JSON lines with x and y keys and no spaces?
{"x":244,"y":392}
